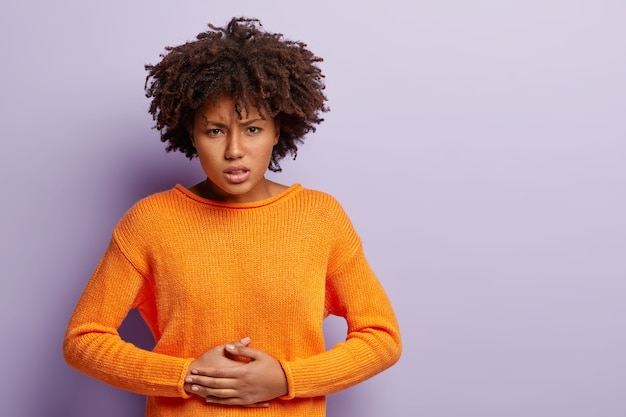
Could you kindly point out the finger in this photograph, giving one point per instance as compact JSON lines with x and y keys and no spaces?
{"x":211,"y":372}
{"x":241,"y":342}
{"x":257,"y":405}
{"x":199,"y":376}
{"x":219,"y":394}
{"x":243,"y":351}
{"x":236,"y":401}
{"x":232,"y":350}
{"x":209,"y":382}
{"x":214,"y":387}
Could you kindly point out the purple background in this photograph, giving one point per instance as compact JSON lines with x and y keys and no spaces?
{"x":478,"y":146}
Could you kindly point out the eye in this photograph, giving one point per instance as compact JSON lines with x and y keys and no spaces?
{"x":214,"y":132}
{"x":254,"y":130}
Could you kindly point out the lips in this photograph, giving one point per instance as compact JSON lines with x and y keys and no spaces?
{"x":236,"y":174}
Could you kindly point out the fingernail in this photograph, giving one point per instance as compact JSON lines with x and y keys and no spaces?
{"x":195,"y":388}
{"x":245,"y":340}
{"x":189,"y":379}
{"x":230,"y":347}
{"x":194,"y":371}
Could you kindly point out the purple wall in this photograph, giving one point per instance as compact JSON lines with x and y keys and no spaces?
{"x":478,"y":146}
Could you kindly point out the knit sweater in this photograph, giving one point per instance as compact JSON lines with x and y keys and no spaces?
{"x":203,"y":273}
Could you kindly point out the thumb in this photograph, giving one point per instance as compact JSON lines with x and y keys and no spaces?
{"x":242,"y":342}
{"x":237,"y":343}
{"x":242,"y":350}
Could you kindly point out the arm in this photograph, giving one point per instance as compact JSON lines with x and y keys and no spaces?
{"x":373,"y":338}
{"x":93,"y":345}
{"x":353,"y":292}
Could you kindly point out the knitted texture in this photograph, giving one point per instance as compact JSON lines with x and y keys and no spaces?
{"x":203,"y":273}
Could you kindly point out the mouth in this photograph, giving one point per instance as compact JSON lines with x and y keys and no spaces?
{"x":236,"y":174}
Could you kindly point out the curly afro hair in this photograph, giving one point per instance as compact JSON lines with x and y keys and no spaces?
{"x":276,"y":75}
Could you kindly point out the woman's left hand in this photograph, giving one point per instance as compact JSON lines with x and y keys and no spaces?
{"x":256,"y":382}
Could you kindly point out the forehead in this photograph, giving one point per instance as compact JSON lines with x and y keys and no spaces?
{"x":226,"y":104}
{"x":227,"y":108}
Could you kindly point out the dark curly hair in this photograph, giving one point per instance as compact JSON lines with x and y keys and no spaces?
{"x":254,"y":67}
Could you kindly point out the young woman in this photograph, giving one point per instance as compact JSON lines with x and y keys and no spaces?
{"x":235,"y":274}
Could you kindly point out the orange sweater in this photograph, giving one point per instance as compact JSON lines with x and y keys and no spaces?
{"x":203,"y":273}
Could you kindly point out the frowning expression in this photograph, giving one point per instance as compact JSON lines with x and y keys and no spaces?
{"x":234,"y":150}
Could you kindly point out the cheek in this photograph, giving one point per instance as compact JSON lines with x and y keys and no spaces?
{"x":206,"y":156}
{"x":270,"y":149}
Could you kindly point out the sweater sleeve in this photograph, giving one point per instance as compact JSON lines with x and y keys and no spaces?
{"x":373,"y":337}
{"x":93,"y":345}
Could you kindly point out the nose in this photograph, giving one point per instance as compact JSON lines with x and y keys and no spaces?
{"x":234,"y":147}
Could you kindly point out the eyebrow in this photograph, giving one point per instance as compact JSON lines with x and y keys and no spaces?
{"x":253,"y":121}
{"x":245,"y":124}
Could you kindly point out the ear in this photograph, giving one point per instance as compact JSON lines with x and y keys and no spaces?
{"x":189,"y":127}
{"x":277,"y":128}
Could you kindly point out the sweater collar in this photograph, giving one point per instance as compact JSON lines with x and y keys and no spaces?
{"x":288,"y":192}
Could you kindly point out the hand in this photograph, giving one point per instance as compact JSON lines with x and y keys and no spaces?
{"x":253,"y":383}
{"x":216,"y":358}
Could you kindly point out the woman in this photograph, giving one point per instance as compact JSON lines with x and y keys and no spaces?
{"x":235,"y":274}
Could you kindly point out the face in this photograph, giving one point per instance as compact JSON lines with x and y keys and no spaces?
{"x":234,"y":153}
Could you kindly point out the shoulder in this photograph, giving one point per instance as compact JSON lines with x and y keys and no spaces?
{"x":148,"y":211}
{"x":333,"y":221}
{"x":320,"y":199}
{"x":325,"y":209}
